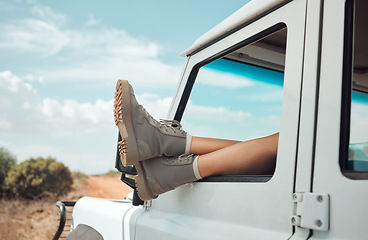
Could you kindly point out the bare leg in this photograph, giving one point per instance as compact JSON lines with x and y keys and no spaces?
{"x":257,"y":156}
{"x":202,"y":145}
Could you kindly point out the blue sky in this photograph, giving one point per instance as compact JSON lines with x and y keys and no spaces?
{"x":233,"y":100}
{"x":60,"y":61}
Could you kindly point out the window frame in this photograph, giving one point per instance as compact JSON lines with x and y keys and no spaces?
{"x":191,"y":81}
{"x":194,"y":72}
{"x":346,"y":94}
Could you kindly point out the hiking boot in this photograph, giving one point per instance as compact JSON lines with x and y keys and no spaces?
{"x":160,"y":175}
{"x":143,"y":137}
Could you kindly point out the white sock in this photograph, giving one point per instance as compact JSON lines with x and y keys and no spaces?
{"x":196,"y":169}
{"x":188,"y":143}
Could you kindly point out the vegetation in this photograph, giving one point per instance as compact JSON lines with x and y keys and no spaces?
{"x":38,"y":177}
{"x":79,"y":179}
{"x":112,"y":173}
{"x":7,"y":160}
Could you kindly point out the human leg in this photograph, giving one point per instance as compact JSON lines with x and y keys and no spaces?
{"x":159,"y":175}
{"x":202,"y":145}
{"x":162,"y":174}
{"x":157,"y":150}
{"x":257,"y":156}
{"x":143,"y":137}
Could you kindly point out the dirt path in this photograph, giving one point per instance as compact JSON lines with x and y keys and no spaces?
{"x":106,"y":187}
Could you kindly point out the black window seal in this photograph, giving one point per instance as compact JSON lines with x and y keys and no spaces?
{"x":346,"y":84}
{"x":237,"y":178}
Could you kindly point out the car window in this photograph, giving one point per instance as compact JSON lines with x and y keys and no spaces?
{"x":239,"y":96}
{"x":355,"y":90}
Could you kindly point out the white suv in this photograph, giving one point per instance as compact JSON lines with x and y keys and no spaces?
{"x":298,"y":67}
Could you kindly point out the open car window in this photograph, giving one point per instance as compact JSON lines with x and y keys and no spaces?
{"x":239,"y":95}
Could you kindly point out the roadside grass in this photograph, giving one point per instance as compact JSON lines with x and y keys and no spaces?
{"x":31,"y":219}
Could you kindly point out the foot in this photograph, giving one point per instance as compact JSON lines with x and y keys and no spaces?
{"x":143,"y":137}
{"x":162,"y":174}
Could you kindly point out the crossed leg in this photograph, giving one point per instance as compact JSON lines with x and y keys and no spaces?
{"x":219,"y":156}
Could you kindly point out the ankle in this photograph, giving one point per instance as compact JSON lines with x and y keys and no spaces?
{"x":188,"y":144}
{"x":197,"y":174}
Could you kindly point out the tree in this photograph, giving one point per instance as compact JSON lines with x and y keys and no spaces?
{"x":7,"y":160}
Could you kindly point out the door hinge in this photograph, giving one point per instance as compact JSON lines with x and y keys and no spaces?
{"x":311,"y":211}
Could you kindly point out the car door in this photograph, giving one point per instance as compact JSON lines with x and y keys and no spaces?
{"x":242,"y":84}
{"x":340,"y":162}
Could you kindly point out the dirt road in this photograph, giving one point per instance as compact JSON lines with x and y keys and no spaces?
{"x":106,"y":187}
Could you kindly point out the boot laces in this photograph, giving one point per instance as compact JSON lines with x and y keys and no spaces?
{"x":173,"y":125}
{"x":179,"y":158}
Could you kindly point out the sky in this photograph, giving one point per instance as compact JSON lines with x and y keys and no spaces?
{"x":233,"y":100}
{"x":59,"y":62}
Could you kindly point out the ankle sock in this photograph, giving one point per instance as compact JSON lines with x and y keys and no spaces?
{"x":195,"y":162}
{"x":188,"y":143}
{"x":196,"y":169}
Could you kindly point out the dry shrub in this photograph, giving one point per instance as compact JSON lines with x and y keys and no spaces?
{"x":37,"y":178}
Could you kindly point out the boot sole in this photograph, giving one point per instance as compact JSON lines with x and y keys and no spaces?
{"x":128,"y":147}
{"x":143,"y":190}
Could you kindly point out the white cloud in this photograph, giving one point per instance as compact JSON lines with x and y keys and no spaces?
{"x":156,"y":106}
{"x":252,"y":127}
{"x":46,"y":13}
{"x":23,"y":112}
{"x":93,"y":21}
{"x":221,"y":79}
{"x":217,"y":122}
{"x":12,"y":83}
{"x":75,"y":115}
{"x":220,"y":122}
{"x":111,"y":54}
{"x":32,"y":78}
{"x":33,"y":35}
{"x":80,"y":134}
{"x":211,"y":114}
{"x":86,"y":54}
